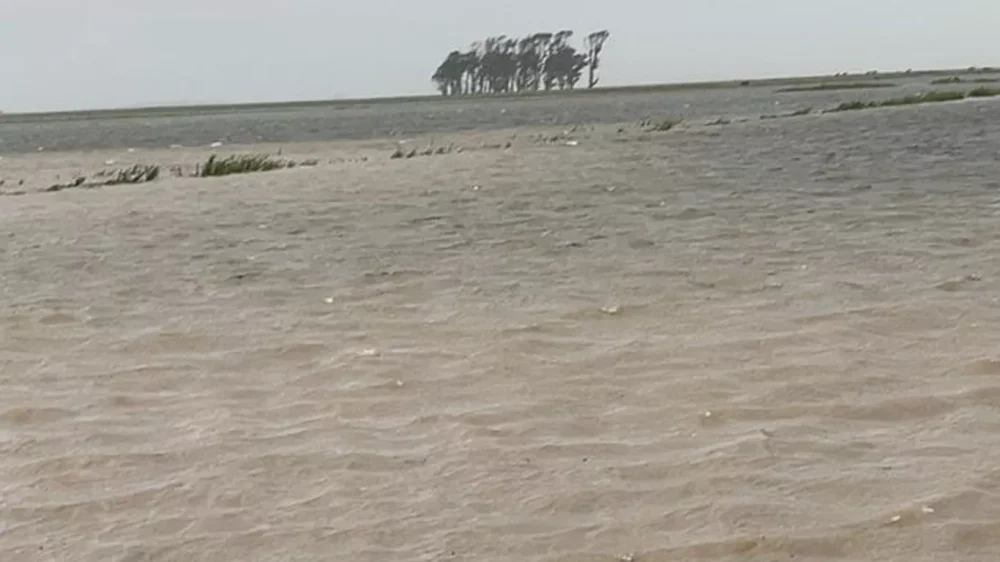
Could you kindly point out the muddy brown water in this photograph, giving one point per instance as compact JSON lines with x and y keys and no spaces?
{"x":767,"y":341}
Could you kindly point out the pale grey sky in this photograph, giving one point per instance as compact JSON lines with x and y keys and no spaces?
{"x":70,"y":54}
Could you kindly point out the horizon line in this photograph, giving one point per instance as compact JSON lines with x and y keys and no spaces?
{"x":210,"y":107}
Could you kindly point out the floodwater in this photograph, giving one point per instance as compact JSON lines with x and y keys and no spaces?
{"x":764,"y":341}
{"x":358,"y":121}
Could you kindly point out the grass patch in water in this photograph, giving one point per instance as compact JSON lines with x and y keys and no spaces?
{"x":241,"y":164}
{"x":136,"y":174}
{"x":844,"y":86}
{"x":854,"y":106}
{"x":664,"y":125}
{"x":960,"y":80}
{"x":139,"y":173}
{"x":915,"y":99}
{"x":984,"y":93}
{"x":929,"y":97}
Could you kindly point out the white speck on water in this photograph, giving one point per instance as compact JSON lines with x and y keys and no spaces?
{"x":399,"y":383}
{"x":896,"y":519}
{"x":573,"y":143}
{"x":611,"y":310}
{"x":927,"y":509}
{"x":216,"y":144}
{"x":130,"y":150}
{"x":368,"y":352}
{"x":475,"y":188}
{"x":707,"y":414}
{"x":328,"y":300}
{"x":109,"y":162}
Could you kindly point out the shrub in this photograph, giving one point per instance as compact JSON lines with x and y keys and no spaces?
{"x":136,"y":174}
{"x":665,"y":125}
{"x":984,"y":93}
{"x":241,"y":164}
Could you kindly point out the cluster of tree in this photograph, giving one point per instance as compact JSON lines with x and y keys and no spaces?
{"x":503,"y":65}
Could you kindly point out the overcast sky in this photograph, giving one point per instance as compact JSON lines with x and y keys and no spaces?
{"x":69,"y":54}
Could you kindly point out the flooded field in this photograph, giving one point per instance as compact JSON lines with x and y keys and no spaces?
{"x":361,"y":121}
{"x":772,"y":340}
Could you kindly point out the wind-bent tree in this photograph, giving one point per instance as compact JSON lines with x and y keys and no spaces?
{"x":504,"y":65}
{"x":448,"y":76}
{"x":595,"y":44}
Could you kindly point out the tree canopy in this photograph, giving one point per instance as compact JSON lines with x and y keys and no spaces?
{"x":505,"y":65}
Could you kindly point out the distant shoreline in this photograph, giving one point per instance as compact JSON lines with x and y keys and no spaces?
{"x":187,"y":110}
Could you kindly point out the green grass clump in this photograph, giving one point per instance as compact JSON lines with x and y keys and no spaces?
{"x":854,"y":106}
{"x":241,"y":164}
{"x":664,"y":125}
{"x":844,"y":86}
{"x":984,"y":93}
{"x":948,"y":80}
{"x":136,"y":174}
{"x":914,"y":99}
{"x":928,"y":97}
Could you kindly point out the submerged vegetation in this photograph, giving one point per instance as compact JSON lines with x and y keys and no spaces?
{"x":844,"y":86}
{"x":136,"y":174}
{"x":928,"y":97}
{"x":960,"y":80}
{"x":947,"y":80}
{"x":139,"y":173}
{"x":984,"y":92}
{"x":665,"y":125}
{"x":914,"y":99}
{"x":507,"y":65}
{"x":796,"y":113}
{"x":241,"y":164}
{"x":214,"y":166}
